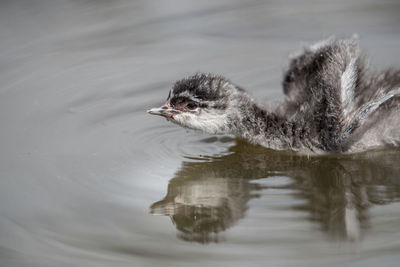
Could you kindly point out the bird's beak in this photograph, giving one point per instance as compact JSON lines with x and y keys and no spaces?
{"x":165,"y":111}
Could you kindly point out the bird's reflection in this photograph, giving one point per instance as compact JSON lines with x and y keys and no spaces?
{"x":207,"y":197}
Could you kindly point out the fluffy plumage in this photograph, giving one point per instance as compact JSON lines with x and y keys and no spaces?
{"x":333,"y":104}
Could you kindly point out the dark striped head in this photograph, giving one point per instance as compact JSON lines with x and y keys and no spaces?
{"x":201,"y":90}
{"x":200,"y":102}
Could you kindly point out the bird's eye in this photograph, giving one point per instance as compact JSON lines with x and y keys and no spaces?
{"x":191,"y":105}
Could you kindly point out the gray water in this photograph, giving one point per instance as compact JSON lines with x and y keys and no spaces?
{"x":87,"y":178}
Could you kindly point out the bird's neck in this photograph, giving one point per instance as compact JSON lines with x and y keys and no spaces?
{"x":260,"y":126}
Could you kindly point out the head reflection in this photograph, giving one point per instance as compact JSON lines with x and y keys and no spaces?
{"x":205,"y":198}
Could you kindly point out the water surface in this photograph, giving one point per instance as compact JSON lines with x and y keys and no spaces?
{"x":87,"y":178}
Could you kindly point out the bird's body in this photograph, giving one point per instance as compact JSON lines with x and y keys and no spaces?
{"x":333,"y":103}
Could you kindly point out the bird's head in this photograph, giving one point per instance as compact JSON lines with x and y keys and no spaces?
{"x":202,"y":102}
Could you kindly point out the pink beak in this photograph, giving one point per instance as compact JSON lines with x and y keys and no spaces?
{"x":165,"y":111}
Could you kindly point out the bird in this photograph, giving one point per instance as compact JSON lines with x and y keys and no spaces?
{"x":334,"y":103}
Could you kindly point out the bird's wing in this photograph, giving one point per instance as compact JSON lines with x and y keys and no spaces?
{"x":357,"y":126}
{"x":329,"y":86}
{"x":326,"y":71}
{"x":324,"y":84}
